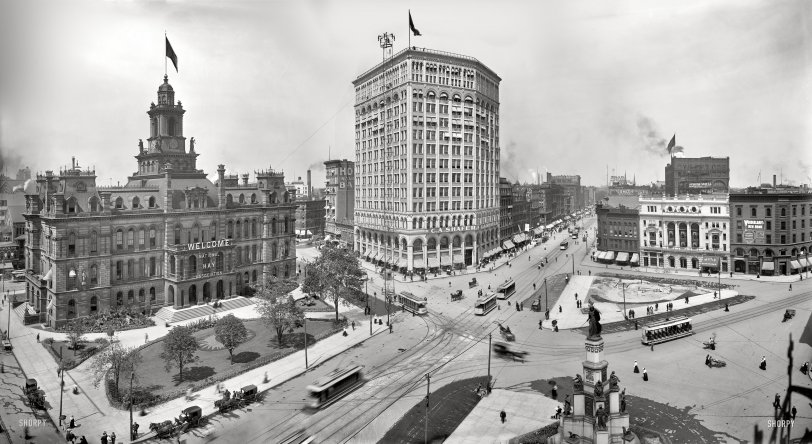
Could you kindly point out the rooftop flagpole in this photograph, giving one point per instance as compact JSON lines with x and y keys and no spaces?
{"x":165,"y":39}
{"x":410,"y":30}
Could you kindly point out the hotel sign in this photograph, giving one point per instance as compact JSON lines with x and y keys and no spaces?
{"x":209,"y":244}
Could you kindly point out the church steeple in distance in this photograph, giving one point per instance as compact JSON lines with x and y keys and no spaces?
{"x":166,"y":143}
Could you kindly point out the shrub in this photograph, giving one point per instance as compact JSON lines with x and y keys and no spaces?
{"x":101,"y":341}
{"x":48,"y":341}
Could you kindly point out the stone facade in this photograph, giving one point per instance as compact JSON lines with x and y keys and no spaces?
{"x":168,"y":236}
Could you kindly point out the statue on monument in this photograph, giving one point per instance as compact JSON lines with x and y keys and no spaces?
{"x":594,"y":323}
{"x":578,"y":383}
{"x":613,"y":381}
{"x":623,"y":401}
{"x":140,"y":145}
{"x":192,"y":144}
{"x":598,"y":389}
{"x":601,"y":416}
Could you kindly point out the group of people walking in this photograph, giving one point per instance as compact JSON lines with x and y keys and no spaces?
{"x":637,"y":370}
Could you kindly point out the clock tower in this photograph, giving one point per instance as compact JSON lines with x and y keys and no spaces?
{"x":166,"y":143}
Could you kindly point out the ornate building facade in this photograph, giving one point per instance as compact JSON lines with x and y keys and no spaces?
{"x":427,"y":160}
{"x":168,"y":237}
{"x":685,"y":233}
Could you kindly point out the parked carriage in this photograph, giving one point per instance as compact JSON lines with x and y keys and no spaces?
{"x":35,"y":396}
{"x":192,"y":415}
{"x":162,"y":429}
{"x":228,"y":403}
{"x":249,"y":394}
{"x":456,"y":296}
{"x":472,"y":283}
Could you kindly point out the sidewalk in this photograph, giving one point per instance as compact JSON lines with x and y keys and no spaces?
{"x":526,"y":412}
{"x":91,"y":408}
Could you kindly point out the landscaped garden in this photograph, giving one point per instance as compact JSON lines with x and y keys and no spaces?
{"x":155,"y":384}
{"x":72,"y":357}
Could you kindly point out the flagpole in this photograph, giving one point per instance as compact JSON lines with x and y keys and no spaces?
{"x":165,"y":39}
{"x":410,"y":31}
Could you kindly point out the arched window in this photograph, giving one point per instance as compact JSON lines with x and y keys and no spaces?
{"x":238,"y":230}
{"x":119,"y":203}
{"x":71,"y":309}
{"x":142,"y":234}
{"x":229,"y":200}
{"x":286,"y":225}
{"x":130,"y":239}
{"x":130,"y":297}
{"x":254,"y":276}
{"x":94,"y":242}
{"x":287,"y":270}
{"x":136,"y":203}
{"x":94,"y":204}
{"x":177,"y":234}
{"x":171,"y":264}
{"x":119,"y":239}
{"x":213,"y":231}
{"x":246,"y":229}
{"x":254,"y":232}
{"x":151,"y":202}
{"x":196,"y":233}
{"x":273,"y":226}
{"x":130,"y":268}
{"x":71,"y":206}
{"x":273,"y":252}
{"x":94,"y":274}
{"x":230,"y":230}
{"x":119,"y":299}
{"x":94,"y":305}
{"x":141,"y":295}
{"x":152,"y":294}
{"x":170,"y":126}
{"x":238,"y":256}
{"x":193,"y":264}
{"x":71,"y":244}
{"x":253,"y":198}
{"x":119,"y":270}
{"x":153,"y":237}
{"x":241,"y":199}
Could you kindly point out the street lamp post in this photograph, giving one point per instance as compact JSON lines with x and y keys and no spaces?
{"x":546,"y":306}
{"x":132,"y":375}
{"x":305,"y":341}
{"x":61,"y":383}
{"x":625,"y":316}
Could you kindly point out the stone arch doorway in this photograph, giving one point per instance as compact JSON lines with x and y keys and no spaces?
{"x":220,"y":294}
{"x":193,"y":295}
{"x":207,"y":292}
{"x":171,"y":300}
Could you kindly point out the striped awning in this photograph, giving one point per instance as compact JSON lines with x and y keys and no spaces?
{"x":622,"y":257}
{"x":434,"y":262}
{"x":445,"y":260}
{"x":795,"y":265}
{"x":768,"y":266}
{"x":419,"y":262}
{"x":459,"y":259}
{"x":635,"y":258}
{"x":508,"y":245}
{"x":518,"y":238}
{"x":537,"y":231}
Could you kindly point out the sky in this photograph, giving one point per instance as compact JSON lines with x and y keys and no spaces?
{"x":587,"y":86}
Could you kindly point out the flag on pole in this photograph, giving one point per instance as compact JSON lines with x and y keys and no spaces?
{"x":171,"y":54}
{"x":411,"y":25}
{"x":672,"y":143}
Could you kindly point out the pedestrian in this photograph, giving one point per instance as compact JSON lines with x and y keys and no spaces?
{"x":146,"y":338}
{"x":37,"y":337}
{"x":652,"y":347}
{"x":726,"y":308}
{"x":656,"y":306}
{"x":590,"y":272}
{"x":707,"y":360}
{"x":794,"y":412}
{"x":70,"y":437}
{"x":645,"y":375}
{"x":555,"y":391}
{"x":449,"y":283}
{"x":534,"y":286}
{"x":104,"y":438}
{"x":72,"y":422}
{"x":560,"y":310}
{"x":576,"y":296}
{"x":636,"y":369}
{"x":714,"y":295}
{"x":540,"y":323}
{"x":390,"y":328}
{"x":777,"y":402}
{"x":790,"y":287}
{"x":503,"y":415}
{"x":113,"y":438}
{"x":686,"y":299}
{"x":763,"y":364}
{"x":353,"y":325}
{"x":83,"y":440}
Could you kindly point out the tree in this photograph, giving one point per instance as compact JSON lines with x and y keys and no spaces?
{"x":276,"y":307}
{"x":118,"y":359}
{"x":336,"y":272}
{"x":231,"y":332}
{"x":76,"y":333}
{"x":180,"y":348}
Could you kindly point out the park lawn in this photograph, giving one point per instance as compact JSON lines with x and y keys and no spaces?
{"x":72,"y":358}
{"x":155,"y":380}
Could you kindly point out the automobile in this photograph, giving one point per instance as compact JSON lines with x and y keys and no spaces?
{"x":7,"y":345}
{"x":504,"y":351}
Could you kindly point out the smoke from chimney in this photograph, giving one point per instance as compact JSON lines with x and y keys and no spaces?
{"x":309,"y":188}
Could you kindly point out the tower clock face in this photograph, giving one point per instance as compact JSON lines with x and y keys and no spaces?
{"x":173,"y":144}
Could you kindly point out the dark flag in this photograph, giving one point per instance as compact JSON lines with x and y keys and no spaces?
{"x":411,"y":25}
{"x":670,"y":144}
{"x":171,"y":54}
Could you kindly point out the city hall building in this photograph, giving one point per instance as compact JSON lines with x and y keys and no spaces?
{"x":685,"y":233}
{"x":427,"y":161}
{"x":168,"y":237}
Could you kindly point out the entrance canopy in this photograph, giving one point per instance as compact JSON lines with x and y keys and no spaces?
{"x":635,"y":258}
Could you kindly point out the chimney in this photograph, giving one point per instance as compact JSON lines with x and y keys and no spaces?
{"x":73,"y":162}
{"x":309,"y":189}
{"x":245,"y":179}
{"x":221,"y":191}
{"x":773,"y":180}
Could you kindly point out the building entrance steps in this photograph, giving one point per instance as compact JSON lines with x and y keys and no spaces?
{"x":173,"y":315}
{"x":525,"y":412}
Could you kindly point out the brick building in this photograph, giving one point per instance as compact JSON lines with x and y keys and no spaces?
{"x":340,"y":200}
{"x":697,"y":175}
{"x":618,"y":237}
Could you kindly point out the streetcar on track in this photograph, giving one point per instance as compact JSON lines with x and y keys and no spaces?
{"x":485,"y":304}
{"x":506,"y":289}
{"x":667,"y":330}
{"x":412,"y":303}
{"x":334,"y":385}
{"x":564,"y":244}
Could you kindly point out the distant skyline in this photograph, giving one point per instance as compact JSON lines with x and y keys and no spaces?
{"x":587,"y":85}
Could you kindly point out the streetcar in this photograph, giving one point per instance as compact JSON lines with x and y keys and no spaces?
{"x":667,"y":330}
{"x":412,"y":303}
{"x":485,"y":304}
{"x":565,"y":244}
{"x":334,"y":385}
{"x":506,"y":289}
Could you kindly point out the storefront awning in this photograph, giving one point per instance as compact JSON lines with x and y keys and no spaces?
{"x":434,"y":262}
{"x":445,"y":260}
{"x":635,"y":258}
{"x":622,"y":257}
{"x":486,"y":255}
{"x":610,"y":255}
{"x":795,"y":265}
{"x":537,"y":231}
{"x":518,"y":238}
{"x":508,"y":245}
{"x":803,"y":261}
{"x":459,"y":259}
{"x":768,"y":266}
{"x":419,"y":262}
{"x":496,"y":250}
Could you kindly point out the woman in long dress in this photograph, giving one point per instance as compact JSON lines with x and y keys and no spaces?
{"x":645,"y":375}
{"x":636,"y":369}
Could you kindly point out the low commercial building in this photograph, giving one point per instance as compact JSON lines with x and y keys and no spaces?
{"x":685,"y":233}
{"x":618,"y":238}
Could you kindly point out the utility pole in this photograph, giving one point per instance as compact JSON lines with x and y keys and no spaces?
{"x":546,"y":307}
{"x":624,"y":299}
{"x":305,"y":341}
{"x":370,"y":322}
{"x":428,"y":392}
{"x":488,"y":382}
{"x":132,"y":375}
{"x":573,"y":264}
{"x":61,"y":383}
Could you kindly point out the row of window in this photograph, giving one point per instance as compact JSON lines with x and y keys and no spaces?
{"x":768,"y":210}
{"x":94,"y":301}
